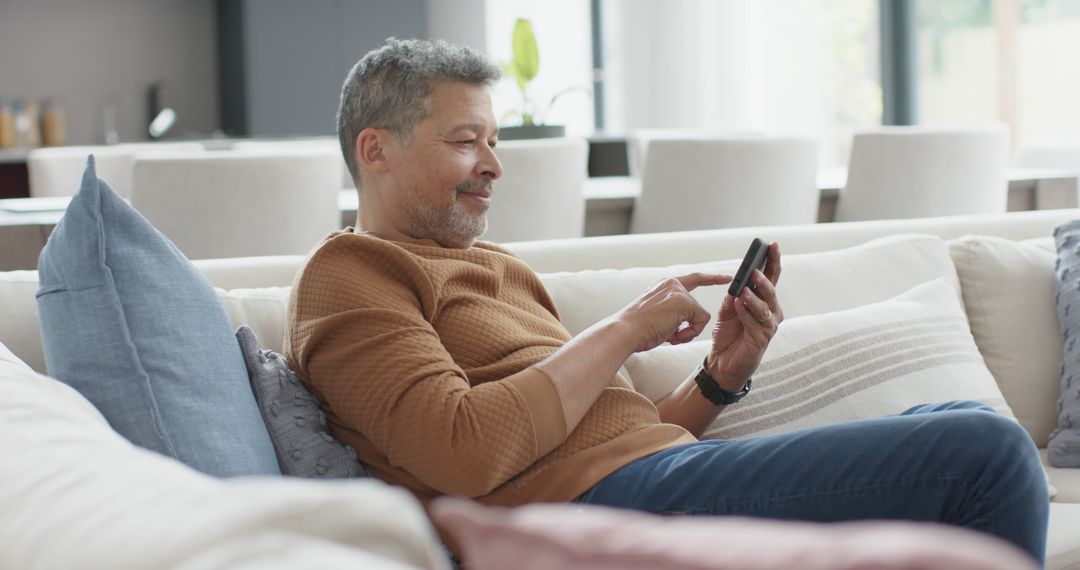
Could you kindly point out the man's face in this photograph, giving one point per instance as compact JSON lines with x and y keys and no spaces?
{"x":448,"y":166}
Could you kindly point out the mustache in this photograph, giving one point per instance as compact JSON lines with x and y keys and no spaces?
{"x":473,"y":186}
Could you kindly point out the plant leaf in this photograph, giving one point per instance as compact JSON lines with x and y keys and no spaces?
{"x":526,"y":55}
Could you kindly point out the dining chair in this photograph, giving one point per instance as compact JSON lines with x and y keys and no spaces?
{"x":541,"y":194}
{"x":706,"y":183}
{"x":916,"y":172}
{"x":1063,"y":154}
{"x":57,"y":171}
{"x":637,"y":142}
{"x":239,"y":203}
{"x":301,"y":142}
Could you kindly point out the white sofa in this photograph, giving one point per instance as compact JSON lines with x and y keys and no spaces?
{"x":1001,"y":273}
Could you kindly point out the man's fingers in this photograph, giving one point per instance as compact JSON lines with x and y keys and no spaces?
{"x":763,"y":287}
{"x":696,"y":323}
{"x":772,"y":263}
{"x":746,"y":316}
{"x":766,"y":292}
{"x":694,"y":280}
{"x":756,"y":316}
{"x":685,"y":334}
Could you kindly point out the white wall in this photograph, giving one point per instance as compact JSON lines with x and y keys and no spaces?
{"x":92,"y":53}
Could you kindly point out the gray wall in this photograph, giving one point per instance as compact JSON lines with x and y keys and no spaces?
{"x":93,"y":53}
{"x":458,"y":21}
{"x":296,"y":56}
{"x":290,"y":58}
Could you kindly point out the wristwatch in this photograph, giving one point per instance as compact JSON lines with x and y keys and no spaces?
{"x":711,"y":389}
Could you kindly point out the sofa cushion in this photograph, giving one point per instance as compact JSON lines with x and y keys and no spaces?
{"x":598,"y":538}
{"x":866,"y":362}
{"x":811,"y":283}
{"x":263,"y":310}
{"x":19,"y":327}
{"x":8,"y":357}
{"x":1062,"y":540}
{"x":297,"y":426}
{"x":1005,"y":282}
{"x":80,"y":496}
{"x":1065,"y":480}
{"x":1064,"y":446}
{"x":128,"y":322}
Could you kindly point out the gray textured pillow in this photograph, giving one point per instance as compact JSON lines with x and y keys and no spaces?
{"x":1064,"y":447}
{"x":297,"y":426}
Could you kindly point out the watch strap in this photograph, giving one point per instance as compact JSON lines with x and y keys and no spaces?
{"x":712,"y":391}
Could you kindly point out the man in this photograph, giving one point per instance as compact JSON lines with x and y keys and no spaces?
{"x":442,"y":360}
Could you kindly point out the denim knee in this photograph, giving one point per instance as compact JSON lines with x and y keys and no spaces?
{"x":975,"y":424}
{"x":948,"y":406}
{"x":967,"y":405}
{"x":992,"y":434}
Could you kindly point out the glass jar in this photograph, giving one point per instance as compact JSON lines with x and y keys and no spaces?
{"x":7,"y":125}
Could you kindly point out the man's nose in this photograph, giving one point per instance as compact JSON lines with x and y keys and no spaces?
{"x":490,"y":166}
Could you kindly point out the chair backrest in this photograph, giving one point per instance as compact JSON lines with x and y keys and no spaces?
{"x":637,"y":142}
{"x":915,"y":172}
{"x":240,"y":203}
{"x":541,"y":194}
{"x":57,"y":171}
{"x":707,"y":183}
{"x":1049,"y":153}
{"x":305,"y":142}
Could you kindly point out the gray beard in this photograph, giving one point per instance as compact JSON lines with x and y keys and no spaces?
{"x":453,"y":227}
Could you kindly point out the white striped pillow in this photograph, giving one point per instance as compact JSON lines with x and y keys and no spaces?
{"x":869,"y":361}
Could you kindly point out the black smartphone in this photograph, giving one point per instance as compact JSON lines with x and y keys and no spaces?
{"x":754,"y":259}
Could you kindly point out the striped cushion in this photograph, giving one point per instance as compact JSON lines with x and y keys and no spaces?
{"x":870,"y":361}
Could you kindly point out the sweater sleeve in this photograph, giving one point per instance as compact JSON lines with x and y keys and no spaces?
{"x":360,"y":336}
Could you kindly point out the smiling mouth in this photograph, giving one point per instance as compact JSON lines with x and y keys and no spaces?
{"x":477,"y":191}
{"x":483,"y":196}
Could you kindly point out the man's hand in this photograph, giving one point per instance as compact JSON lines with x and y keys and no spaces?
{"x":745,"y":326}
{"x":657,"y":316}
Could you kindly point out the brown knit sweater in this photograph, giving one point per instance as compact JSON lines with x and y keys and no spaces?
{"x":423,"y":358}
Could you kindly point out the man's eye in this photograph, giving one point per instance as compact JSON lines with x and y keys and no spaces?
{"x":469,"y":142}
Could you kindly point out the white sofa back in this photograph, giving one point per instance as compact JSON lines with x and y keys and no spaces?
{"x":247,"y":279}
{"x":659,"y":250}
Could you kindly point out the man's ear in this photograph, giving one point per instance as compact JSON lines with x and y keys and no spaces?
{"x":371,"y":149}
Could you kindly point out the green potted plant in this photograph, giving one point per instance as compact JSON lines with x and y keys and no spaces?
{"x":523,"y":69}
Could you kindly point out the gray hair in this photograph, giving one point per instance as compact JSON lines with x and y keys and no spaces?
{"x":389,"y":87}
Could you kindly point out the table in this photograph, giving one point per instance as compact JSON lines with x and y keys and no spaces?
{"x":1029,"y":189}
{"x":25,"y":223}
{"x":609,"y":203}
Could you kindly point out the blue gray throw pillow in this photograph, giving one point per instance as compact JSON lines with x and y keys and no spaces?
{"x":297,"y":426}
{"x":1064,"y":447}
{"x":128,"y":321}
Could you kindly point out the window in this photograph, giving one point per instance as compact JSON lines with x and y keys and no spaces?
{"x":1047,"y":77}
{"x":793,"y":67}
{"x":957,"y":62}
{"x":1000,"y":61}
{"x":563,"y":38}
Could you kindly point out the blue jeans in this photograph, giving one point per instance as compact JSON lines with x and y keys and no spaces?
{"x":957,"y":462}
